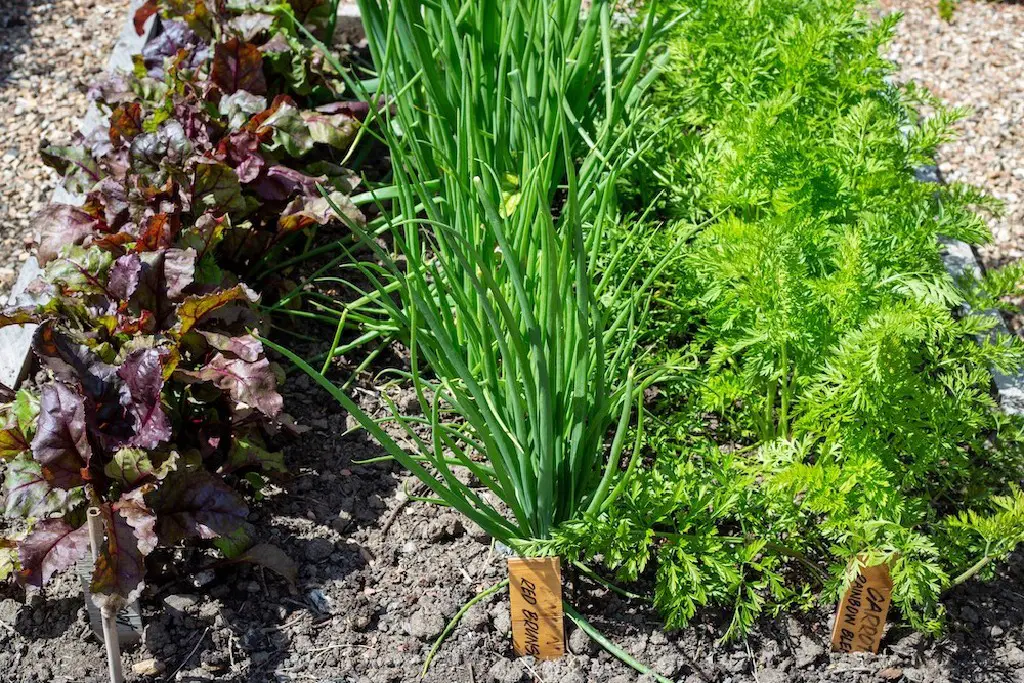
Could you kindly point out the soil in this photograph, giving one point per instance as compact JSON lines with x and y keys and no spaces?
{"x":380,"y":576}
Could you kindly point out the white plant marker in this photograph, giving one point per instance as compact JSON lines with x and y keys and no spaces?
{"x":110,"y":640}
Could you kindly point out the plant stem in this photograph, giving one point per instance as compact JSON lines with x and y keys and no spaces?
{"x":970,"y":573}
{"x":482,"y":595}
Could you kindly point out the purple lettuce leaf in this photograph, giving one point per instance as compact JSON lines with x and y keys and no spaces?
{"x":238,"y":65}
{"x":179,"y":271}
{"x":281,"y":183}
{"x":61,"y":444}
{"x":61,"y":225}
{"x":175,"y":36}
{"x":120,"y":567}
{"x":246,"y":346}
{"x":124,"y":276}
{"x":30,"y":494}
{"x":142,"y":374}
{"x":216,"y":188}
{"x":309,"y":210}
{"x":241,"y":151}
{"x":195,"y":504}
{"x":253,"y":384}
{"x":53,"y":546}
{"x":109,"y":199}
{"x":75,"y":164}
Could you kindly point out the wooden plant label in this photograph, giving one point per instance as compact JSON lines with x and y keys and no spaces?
{"x":535,"y":593}
{"x":129,"y":620}
{"x":860,"y":620}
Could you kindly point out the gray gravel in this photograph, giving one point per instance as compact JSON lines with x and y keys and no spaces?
{"x":976,"y":61}
{"x":49,"y":51}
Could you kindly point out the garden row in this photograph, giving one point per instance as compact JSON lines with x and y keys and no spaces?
{"x":157,"y":404}
{"x":671,"y":295}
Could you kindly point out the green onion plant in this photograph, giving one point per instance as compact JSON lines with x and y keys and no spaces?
{"x":509,"y":123}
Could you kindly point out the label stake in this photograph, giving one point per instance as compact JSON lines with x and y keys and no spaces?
{"x":110,"y":640}
{"x":535,"y":595}
{"x":860,"y":618}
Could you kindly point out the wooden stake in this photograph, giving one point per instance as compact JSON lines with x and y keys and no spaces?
{"x":535,"y":595}
{"x":860,"y":618}
{"x":110,"y":640}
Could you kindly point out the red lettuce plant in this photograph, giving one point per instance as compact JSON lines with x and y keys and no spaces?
{"x":155,"y":399}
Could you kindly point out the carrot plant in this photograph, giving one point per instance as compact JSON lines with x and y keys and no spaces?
{"x":842,"y":403}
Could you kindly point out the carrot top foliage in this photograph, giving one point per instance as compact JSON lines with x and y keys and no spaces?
{"x":842,"y":400}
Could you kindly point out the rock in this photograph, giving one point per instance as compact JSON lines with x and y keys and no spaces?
{"x":203,"y":578}
{"x":342,"y":521}
{"x":808,"y":652}
{"x":321,"y":603}
{"x":181,"y":603}
{"x":318,"y":549}
{"x":890,"y":674}
{"x":502,"y":621}
{"x":425,"y":624}
{"x":506,"y":671}
{"x":995,"y":631}
{"x":580,"y":643}
{"x":148,"y":667}
{"x":9,"y":610}
{"x":1014,"y":657}
{"x":668,"y":665}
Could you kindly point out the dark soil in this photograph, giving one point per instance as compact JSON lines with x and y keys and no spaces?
{"x":369,"y":603}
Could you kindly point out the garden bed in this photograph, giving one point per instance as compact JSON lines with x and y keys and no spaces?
{"x":379,"y":577}
{"x":369,"y":603}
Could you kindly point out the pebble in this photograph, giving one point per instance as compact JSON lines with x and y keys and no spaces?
{"x":318,"y":549}
{"x":181,"y":603}
{"x":426,"y":624}
{"x":148,"y":667}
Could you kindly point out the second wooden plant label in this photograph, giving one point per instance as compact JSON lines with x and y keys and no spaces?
{"x":535,"y":593}
{"x":860,"y":620}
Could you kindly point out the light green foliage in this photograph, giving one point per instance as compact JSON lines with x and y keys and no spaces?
{"x":832,"y":347}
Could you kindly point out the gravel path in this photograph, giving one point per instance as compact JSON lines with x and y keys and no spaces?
{"x":976,"y":61}
{"x":49,"y":51}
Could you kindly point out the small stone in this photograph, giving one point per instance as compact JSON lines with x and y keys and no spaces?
{"x":995,"y":631}
{"x":507,"y":671}
{"x":580,"y":643}
{"x":342,"y":521}
{"x":890,"y":674}
{"x":181,"y":603}
{"x":808,"y":652}
{"x":148,"y":667}
{"x":318,"y":549}
{"x":321,"y":603}
{"x":502,"y":622}
{"x":203,"y":578}
{"x":425,"y":624}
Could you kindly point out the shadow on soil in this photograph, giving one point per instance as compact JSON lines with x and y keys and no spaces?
{"x":14,"y":35}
